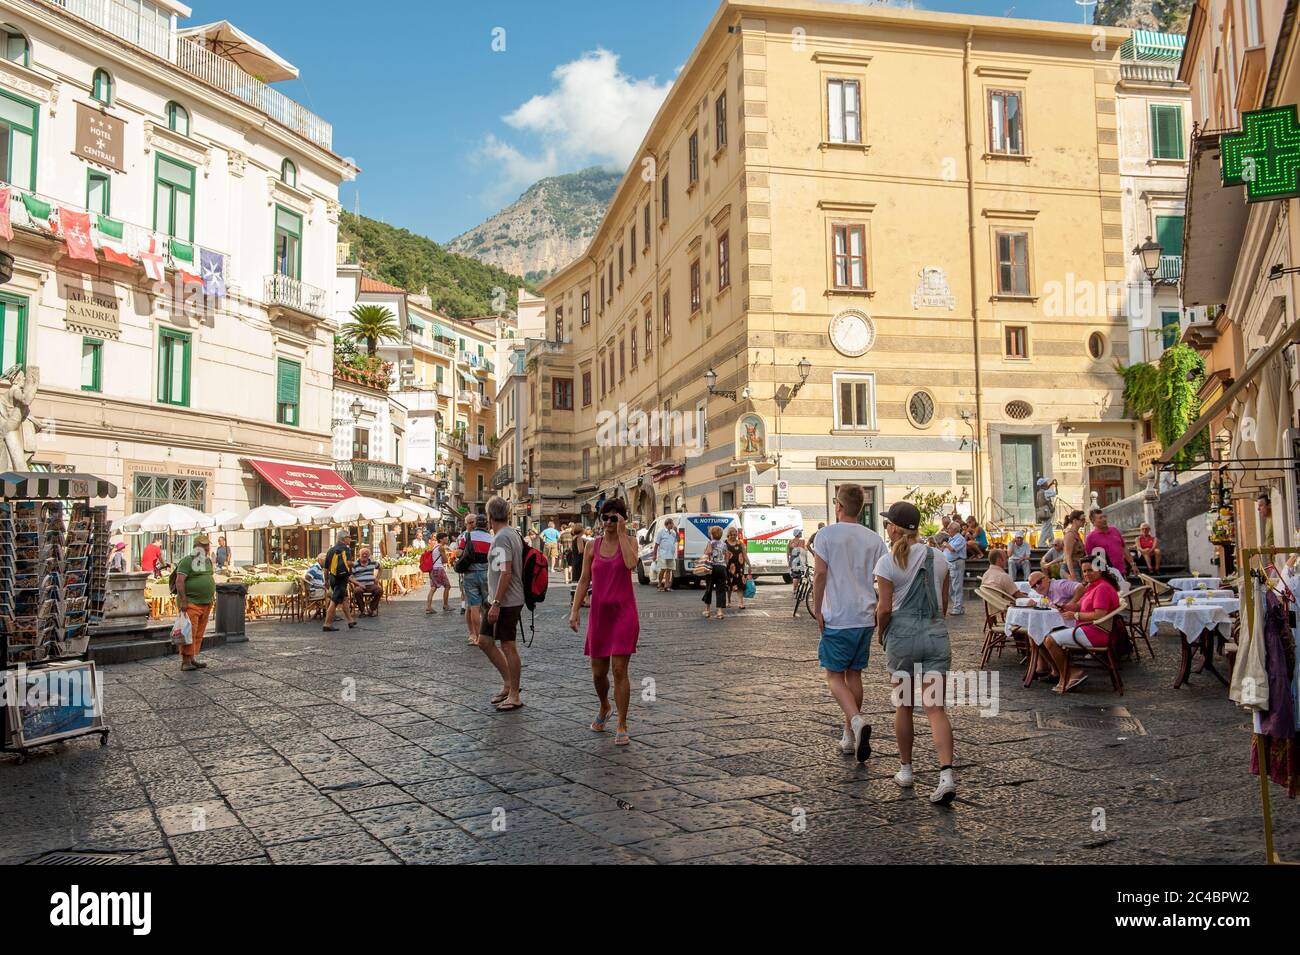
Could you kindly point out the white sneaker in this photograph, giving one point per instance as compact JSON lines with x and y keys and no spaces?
{"x":847,"y":745}
{"x":861,"y":737}
{"x":946,"y":791}
{"x":904,"y":776}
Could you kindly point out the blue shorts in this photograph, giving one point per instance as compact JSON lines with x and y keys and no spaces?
{"x":842,"y":650}
{"x":475,"y":587}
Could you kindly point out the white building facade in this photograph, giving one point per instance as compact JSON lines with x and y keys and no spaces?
{"x":191,"y":339}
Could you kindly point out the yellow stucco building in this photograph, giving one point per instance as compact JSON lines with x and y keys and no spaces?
{"x":894,"y":238}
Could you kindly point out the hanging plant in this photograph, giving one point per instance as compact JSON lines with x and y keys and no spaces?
{"x":1168,"y":391}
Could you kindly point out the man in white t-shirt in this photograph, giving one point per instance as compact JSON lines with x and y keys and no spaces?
{"x":666,"y":554}
{"x":844,"y":603}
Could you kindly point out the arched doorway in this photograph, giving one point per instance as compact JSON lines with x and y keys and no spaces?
{"x":645,"y":506}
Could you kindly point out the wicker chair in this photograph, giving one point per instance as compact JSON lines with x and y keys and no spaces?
{"x":1108,"y":655}
{"x":1161,"y":592}
{"x":1140,"y":603}
{"x":995,"y":612}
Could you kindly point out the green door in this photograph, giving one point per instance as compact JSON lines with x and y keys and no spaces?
{"x":1019,"y":467}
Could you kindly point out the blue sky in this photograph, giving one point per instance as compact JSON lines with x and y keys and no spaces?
{"x":447,"y":130}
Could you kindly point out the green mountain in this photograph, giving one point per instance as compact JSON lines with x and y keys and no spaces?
{"x":461,"y":287}
{"x":1165,"y":16}
{"x":546,"y":228}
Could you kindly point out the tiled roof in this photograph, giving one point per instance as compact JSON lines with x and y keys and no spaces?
{"x":374,"y":285}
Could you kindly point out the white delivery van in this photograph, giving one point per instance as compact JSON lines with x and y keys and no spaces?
{"x":692,"y":534}
{"x":768,"y":532}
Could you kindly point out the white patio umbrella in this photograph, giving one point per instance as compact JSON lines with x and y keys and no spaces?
{"x":261,"y":518}
{"x":414,"y":511}
{"x":119,"y":525}
{"x":306,"y":512}
{"x":219,"y":518}
{"x":359,"y":510}
{"x":166,"y":519}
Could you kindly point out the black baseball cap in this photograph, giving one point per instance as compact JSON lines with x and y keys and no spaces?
{"x":904,"y":515}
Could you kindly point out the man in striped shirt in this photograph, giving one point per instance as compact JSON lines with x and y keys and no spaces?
{"x":364,"y":585}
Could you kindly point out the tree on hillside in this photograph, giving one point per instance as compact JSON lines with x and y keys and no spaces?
{"x":372,"y":324}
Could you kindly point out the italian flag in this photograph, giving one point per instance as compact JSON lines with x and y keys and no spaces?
{"x":111,"y":240}
{"x":182,"y":254}
{"x":40,"y":212}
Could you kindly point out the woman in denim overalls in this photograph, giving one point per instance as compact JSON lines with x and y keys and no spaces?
{"x":915,"y":639}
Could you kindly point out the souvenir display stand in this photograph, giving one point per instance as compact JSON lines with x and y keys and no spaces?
{"x":1252,"y":579}
{"x":53,"y":578}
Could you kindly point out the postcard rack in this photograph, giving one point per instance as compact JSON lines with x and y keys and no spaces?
{"x":53,"y":579}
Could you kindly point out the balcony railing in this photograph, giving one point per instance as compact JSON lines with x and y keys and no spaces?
{"x":123,"y":23}
{"x":1171,"y":268}
{"x":371,"y":475}
{"x":289,"y":292}
{"x":194,"y":58}
{"x":502,"y":476}
{"x":454,"y":440}
{"x":1149,"y":72}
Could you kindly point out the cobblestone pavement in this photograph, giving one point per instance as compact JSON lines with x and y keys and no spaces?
{"x":732,"y":761}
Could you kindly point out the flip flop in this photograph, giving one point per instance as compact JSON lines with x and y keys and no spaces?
{"x":598,"y":724}
{"x":621,"y":738}
{"x":1075,"y":682}
{"x":507,"y":707}
{"x":499,"y":698}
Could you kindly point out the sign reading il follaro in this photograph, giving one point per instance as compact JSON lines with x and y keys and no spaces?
{"x":1265,"y":155}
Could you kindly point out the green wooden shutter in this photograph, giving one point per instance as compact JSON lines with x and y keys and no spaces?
{"x":1169,"y":233}
{"x":287,"y":386}
{"x":1166,"y":132}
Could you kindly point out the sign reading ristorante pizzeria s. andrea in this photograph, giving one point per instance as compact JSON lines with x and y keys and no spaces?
{"x":853,"y":462}
{"x":99,"y":137}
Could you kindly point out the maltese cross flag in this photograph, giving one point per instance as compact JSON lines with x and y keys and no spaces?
{"x":76,"y":233}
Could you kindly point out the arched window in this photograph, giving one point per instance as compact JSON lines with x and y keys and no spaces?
{"x":13,"y":46}
{"x":101,"y":87}
{"x":178,"y":119}
{"x":289,"y":173}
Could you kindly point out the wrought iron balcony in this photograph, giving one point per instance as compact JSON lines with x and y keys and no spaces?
{"x":502,"y":476}
{"x":285,"y":291}
{"x":1170,"y":270}
{"x":367,"y":475}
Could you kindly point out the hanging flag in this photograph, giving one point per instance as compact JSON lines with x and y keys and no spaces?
{"x":76,"y":234}
{"x":6,"y":223}
{"x":112,"y":242}
{"x":182,"y":260}
{"x":213,"y":266}
{"x":40,"y":212}
{"x":147,"y":248}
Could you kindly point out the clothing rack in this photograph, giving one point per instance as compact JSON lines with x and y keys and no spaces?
{"x":1249,"y":578}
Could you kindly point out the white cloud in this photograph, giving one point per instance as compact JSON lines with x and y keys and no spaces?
{"x":594,"y":114}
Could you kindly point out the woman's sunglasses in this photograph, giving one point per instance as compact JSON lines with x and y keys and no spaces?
{"x":611,"y":518}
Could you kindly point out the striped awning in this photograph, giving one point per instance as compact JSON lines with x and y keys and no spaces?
{"x":414,"y":320}
{"x":51,"y":485}
{"x":1151,"y":45}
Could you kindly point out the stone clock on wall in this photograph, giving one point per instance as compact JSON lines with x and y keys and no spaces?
{"x":852,"y":332}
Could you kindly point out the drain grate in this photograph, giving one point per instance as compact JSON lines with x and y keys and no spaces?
{"x":78,"y":858}
{"x":1115,"y":719}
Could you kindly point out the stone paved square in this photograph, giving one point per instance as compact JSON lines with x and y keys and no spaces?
{"x":267,"y":756}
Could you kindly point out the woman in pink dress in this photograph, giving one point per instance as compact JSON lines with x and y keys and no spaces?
{"x":612,"y":623}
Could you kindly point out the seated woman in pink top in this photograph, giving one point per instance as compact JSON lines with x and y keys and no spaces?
{"x":612,"y":625}
{"x":1100,"y":596}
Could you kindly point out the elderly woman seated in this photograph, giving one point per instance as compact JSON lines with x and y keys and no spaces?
{"x":1100,"y":596}
{"x":1148,"y":548}
{"x":1053,"y":562}
{"x":977,"y":542}
{"x":366,"y":589}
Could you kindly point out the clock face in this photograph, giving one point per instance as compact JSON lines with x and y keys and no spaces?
{"x":852,"y":333}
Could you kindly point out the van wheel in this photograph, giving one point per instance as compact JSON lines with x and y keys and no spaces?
{"x":787,"y":578}
{"x":642,"y":579}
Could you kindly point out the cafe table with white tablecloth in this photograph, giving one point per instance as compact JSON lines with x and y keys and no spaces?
{"x":1035,"y":622}
{"x":1192,"y":623}
{"x":1196,"y":583}
{"x":1198,"y":593}
{"x":1231,"y":604}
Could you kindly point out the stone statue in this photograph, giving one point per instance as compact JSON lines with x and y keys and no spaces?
{"x":15,"y":419}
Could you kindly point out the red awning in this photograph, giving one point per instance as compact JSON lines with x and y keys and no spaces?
{"x":304,"y":484}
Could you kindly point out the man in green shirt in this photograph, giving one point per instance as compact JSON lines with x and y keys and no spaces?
{"x":195,"y":592}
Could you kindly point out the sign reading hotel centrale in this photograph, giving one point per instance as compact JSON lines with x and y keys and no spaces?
{"x":1109,"y":452}
{"x":99,"y":137}
{"x":91,"y":311}
{"x":854,"y":463}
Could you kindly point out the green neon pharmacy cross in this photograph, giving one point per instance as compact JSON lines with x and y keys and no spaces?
{"x":1265,"y":155}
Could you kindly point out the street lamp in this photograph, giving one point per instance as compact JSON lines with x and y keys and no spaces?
{"x":356,"y":408}
{"x":711,"y":380}
{"x":805,"y":369}
{"x":1148,"y":254}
